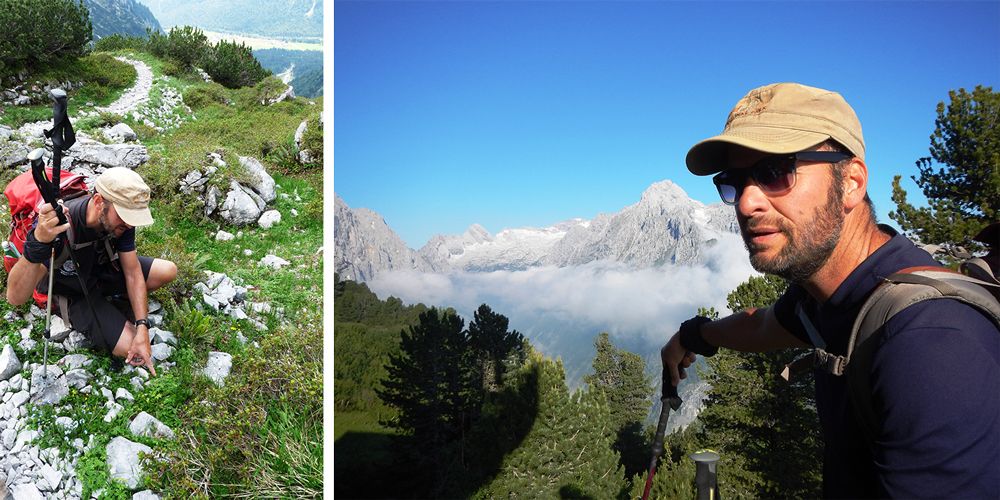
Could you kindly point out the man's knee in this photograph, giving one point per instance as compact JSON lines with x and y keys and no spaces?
{"x":160,"y":273}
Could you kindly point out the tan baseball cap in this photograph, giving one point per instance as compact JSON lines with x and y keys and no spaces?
{"x":129,"y":194}
{"x":780,"y":118}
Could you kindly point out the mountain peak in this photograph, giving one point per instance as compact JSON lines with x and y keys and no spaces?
{"x":665,"y":192}
{"x":477,"y":234}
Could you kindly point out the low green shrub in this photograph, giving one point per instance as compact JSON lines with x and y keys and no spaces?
{"x":118,"y":41}
{"x":200,"y":95}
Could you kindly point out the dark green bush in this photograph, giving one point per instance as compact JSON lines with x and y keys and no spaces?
{"x":233,"y":65}
{"x":31,"y":40}
{"x":186,"y":45}
{"x":118,"y":41}
{"x":157,"y":44}
{"x":172,"y":68}
{"x":201,"y":95}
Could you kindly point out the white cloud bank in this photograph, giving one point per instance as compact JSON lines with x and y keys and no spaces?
{"x":561,"y":310}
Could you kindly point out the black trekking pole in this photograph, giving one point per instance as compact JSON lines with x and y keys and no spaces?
{"x":63,"y":137}
{"x":669,"y":401}
{"x":38,"y":165}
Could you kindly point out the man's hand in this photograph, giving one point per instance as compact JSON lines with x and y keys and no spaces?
{"x":140,"y":352}
{"x":675,"y":359}
{"x":48,"y":226}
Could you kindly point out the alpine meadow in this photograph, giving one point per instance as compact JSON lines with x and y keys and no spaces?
{"x":233,"y":161}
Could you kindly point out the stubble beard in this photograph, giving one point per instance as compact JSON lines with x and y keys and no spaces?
{"x":809,"y":245}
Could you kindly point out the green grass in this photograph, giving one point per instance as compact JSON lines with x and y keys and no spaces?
{"x":105,"y":80}
{"x":357,"y":421}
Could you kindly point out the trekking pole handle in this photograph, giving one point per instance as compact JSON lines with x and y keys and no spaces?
{"x":671,"y":401}
{"x":46,"y":186}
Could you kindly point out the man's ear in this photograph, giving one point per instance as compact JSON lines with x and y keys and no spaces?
{"x":855,"y":183}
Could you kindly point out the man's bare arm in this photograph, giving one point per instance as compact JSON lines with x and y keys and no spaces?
{"x":753,"y":330}
{"x":25,"y":275}
{"x":22,"y":280}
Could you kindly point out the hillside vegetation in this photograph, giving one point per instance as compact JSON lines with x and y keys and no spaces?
{"x":259,"y":434}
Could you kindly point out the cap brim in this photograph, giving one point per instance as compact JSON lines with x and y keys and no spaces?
{"x":712,"y":155}
{"x":135,"y":217}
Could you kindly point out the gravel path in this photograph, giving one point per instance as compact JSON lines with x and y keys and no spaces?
{"x":138,"y":93}
{"x":131,"y":99}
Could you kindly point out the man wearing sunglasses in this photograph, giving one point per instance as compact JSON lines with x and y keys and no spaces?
{"x":791,"y":160}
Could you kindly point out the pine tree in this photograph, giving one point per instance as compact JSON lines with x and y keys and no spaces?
{"x":621,"y":377}
{"x":568,"y":450}
{"x":432,"y":385}
{"x":497,"y":348}
{"x":233,"y":65}
{"x":38,"y":32}
{"x":961,"y":177}
{"x":765,"y":429}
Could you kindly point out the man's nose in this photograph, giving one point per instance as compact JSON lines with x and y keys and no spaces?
{"x":751,"y":199}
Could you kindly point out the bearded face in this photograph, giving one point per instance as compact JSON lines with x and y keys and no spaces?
{"x":110,"y":222}
{"x":809,"y":243}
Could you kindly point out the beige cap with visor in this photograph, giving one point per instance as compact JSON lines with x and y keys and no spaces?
{"x":129,"y":194}
{"x":781,"y":118}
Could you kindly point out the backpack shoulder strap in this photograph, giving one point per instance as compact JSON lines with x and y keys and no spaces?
{"x":896,"y":293}
{"x":979,"y":269}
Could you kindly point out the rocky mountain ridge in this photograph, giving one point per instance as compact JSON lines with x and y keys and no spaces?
{"x":665,"y":226}
{"x":127,"y":17}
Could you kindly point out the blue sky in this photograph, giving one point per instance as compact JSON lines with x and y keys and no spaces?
{"x":513,"y":114}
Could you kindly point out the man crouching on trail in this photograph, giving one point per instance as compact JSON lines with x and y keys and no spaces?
{"x":791,"y":161}
{"x":101,"y":228}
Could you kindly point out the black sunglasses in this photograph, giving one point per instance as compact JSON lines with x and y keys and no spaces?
{"x":773,"y":174}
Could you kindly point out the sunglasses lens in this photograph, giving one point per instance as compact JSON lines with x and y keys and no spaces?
{"x":775,"y":176}
{"x":727,"y":192}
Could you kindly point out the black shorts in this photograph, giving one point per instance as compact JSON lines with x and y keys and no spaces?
{"x":109,"y":305}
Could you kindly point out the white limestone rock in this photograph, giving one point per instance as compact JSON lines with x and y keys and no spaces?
{"x":74,"y":361}
{"x":146,"y":425}
{"x":48,"y":388}
{"x":58,"y":331}
{"x":124,"y":462}
{"x":218,"y":367}
{"x":120,"y":132}
{"x":273,"y":261}
{"x":122,"y":394}
{"x":269,"y":218}
{"x":160,"y":336}
{"x":161,"y":352}
{"x":262,"y":182}
{"x":110,"y":155}
{"x":25,"y":491}
{"x":239,"y":207}
{"x":9,"y":364}
{"x":211,"y":199}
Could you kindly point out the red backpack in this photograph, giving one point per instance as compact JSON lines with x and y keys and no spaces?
{"x":24,"y":198}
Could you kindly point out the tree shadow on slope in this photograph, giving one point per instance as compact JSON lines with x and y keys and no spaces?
{"x":374,"y":465}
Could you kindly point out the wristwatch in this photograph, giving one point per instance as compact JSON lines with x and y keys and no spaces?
{"x":142,"y":321}
{"x":691,"y":339}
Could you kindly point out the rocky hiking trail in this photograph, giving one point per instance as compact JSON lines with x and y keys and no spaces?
{"x":45,"y":422}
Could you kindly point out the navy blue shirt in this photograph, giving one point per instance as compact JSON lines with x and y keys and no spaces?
{"x":935,"y":384}
{"x":91,"y":258}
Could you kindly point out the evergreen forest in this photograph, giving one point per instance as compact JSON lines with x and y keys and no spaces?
{"x":429,"y":407}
